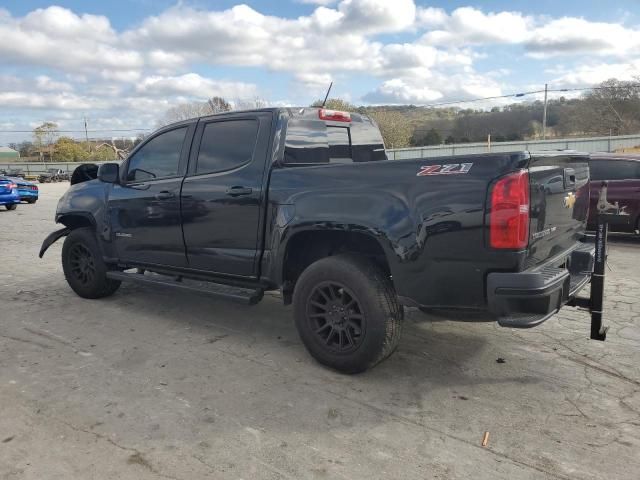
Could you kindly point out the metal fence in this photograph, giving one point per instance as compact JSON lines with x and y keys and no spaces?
{"x":589,"y":145}
{"x":36,"y":168}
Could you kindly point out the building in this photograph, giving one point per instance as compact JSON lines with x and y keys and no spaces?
{"x":8,"y":155}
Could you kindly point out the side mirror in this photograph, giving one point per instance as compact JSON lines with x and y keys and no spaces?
{"x":109,"y":172}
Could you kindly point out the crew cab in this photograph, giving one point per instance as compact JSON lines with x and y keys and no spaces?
{"x":305,"y":201}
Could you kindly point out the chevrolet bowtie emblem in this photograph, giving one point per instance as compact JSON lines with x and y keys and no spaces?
{"x":569,"y":201}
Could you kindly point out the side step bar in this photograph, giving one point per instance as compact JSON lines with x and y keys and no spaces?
{"x":240,"y":295}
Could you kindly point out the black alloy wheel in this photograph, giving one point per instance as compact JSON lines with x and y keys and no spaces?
{"x":336,"y":318}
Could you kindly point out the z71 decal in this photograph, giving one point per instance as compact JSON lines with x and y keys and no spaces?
{"x":446,"y":169}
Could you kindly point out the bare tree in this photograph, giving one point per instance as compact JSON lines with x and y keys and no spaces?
{"x":249,"y":104}
{"x":121,"y":153}
{"x":185,"y":111}
{"x":219,"y":105}
{"x":44,"y":136}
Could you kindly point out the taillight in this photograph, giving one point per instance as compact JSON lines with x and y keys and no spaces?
{"x":509,"y":216}
{"x":334,"y":115}
{"x":12,"y":186}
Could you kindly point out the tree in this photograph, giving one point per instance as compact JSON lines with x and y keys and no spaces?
{"x":336,"y":104}
{"x":44,"y":135}
{"x":68,"y":150}
{"x":449,"y":140}
{"x":219,"y":105}
{"x":394,"y":126}
{"x":104,"y":154}
{"x":432,"y":137}
{"x":612,"y":107}
{"x":185,"y":111}
{"x":117,"y":152}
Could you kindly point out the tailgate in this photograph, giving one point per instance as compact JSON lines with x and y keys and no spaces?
{"x":559,"y":204}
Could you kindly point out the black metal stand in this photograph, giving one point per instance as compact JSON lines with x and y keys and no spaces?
{"x":595,"y":303}
{"x":596,"y":299}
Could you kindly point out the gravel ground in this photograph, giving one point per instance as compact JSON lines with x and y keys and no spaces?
{"x":152,"y":384}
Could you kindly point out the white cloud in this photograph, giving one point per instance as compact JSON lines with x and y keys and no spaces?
{"x":594,"y":73}
{"x":541,"y":37}
{"x":58,"y":38}
{"x":377,"y":15}
{"x":63,"y":101}
{"x":470,"y":26}
{"x":570,"y":36}
{"x":436,"y":88}
{"x":194,"y":85}
{"x":45,"y":83}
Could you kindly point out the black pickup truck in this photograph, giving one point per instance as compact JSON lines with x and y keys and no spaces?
{"x":305,"y":201}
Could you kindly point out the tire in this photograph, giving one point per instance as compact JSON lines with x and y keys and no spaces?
{"x":13,"y":206}
{"x":84,"y":268}
{"x":32,"y":200}
{"x":368,"y":328}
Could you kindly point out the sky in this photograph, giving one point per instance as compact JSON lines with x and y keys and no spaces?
{"x":122,"y":64}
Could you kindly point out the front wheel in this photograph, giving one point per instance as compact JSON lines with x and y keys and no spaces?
{"x":347,"y":313}
{"x":13,"y":206}
{"x":84,"y":268}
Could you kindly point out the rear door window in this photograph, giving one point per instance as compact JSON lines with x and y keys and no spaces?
{"x":226,"y":145}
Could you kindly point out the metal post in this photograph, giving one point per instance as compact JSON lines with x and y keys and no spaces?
{"x":544,"y":115}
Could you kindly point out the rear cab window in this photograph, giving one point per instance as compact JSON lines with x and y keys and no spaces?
{"x":311,"y":141}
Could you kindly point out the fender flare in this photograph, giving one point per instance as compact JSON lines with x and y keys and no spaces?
{"x":53,"y":238}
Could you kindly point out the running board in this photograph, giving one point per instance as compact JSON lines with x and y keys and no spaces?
{"x":240,"y":295}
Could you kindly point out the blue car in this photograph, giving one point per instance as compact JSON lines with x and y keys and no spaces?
{"x":9,"y":196}
{"x":27,"y":191}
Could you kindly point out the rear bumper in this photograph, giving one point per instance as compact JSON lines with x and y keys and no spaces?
{"x":526,"y":299}
{"x":27,"y":194}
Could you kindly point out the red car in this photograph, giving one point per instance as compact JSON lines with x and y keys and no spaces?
{"x":622,"y":171}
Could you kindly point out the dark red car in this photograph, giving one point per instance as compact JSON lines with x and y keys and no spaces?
{"x":622,"y":171}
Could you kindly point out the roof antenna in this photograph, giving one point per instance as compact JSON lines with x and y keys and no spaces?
{"x":327,"y":95}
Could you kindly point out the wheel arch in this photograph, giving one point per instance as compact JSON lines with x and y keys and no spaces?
{"x":75,"y":220}
{"x":306,"y":246}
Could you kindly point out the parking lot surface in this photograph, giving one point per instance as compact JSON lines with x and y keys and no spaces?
{"x":152,"y":383}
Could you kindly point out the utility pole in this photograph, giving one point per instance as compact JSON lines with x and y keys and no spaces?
{"x":86,"y":134}
{"x":544,"y":114}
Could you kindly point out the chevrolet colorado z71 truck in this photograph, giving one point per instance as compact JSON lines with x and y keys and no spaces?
{"x":305,"y":201}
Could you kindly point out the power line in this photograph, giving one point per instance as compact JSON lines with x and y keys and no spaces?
{"x":522,"y":94}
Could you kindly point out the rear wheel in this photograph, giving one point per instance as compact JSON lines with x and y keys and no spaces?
{"x":13,"y":206}
{"x":84,"y":268}
{"x":347,"y":313}
{"x":32,"y":200}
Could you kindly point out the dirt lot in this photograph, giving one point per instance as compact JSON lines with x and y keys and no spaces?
{"x":155,"y":384}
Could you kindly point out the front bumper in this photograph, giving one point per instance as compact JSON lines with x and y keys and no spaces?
{"x":526,"y":299}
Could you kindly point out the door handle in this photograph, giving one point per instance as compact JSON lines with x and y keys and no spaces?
{"x":164,"y":195}
{"x":238,"y":191}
